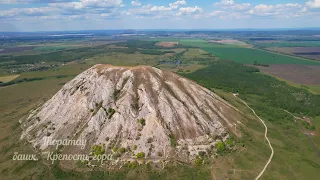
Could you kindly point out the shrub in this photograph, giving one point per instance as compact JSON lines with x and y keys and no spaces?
{"x":201,"y":153}
{"x":172,"y":140}
{"x":134,"y":147}
{"x":140,"y":155}
{"x":220,"y":147}
{"x":228,"y":141}
{"x":122,"y":150}
{"x":150,"y":140}
{"x":142,"y":121}
{"x":133,"y":164}
{"x":115,"y":149}
{"x":198,"y":161}
{"x":159,"y":153}
{"x":111,"y":112}
{"x":116,"y":155}
{"x":98,"y":150}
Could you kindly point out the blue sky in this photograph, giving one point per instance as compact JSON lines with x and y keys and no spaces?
{"x":54,"y":15}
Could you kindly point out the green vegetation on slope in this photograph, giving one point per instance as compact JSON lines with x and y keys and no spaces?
{"x":294,"y":158}
{"x":234,"y":77}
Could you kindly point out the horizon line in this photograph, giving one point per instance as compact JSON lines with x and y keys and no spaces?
{"x":176,"y":29}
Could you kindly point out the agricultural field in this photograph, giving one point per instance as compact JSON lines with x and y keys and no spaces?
{"x":167,"y":44}
{"x":300,"y":74}
{"x":16,"y":49}
{"x":306,"y":52}
{"x":5,"y":79}
{"x":230,"y":42}
{"x":248,"y":56}
{"x":290,"y":44}
{"x":195,"y":53}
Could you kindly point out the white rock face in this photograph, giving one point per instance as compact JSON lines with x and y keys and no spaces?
{"x":176,"y":111}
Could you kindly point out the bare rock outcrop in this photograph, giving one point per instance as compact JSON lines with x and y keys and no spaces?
{"x":141,"y":108}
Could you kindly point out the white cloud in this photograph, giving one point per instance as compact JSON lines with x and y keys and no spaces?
{"x":189,"y":10}
{"x":241,"y":7}
{"x":31,"y":1}
{"x":136,"y":3}
{"x":67,"y":9}
{"x":313,"y":4}
{"x":304,"y":9}
{"x":176,"y":4}
{"x":230,"y":4}
{"x":276,"y":10}
{"x":157,"y":12}
{"x":19,"y":12}
{"x":88,"y":4}
{"x":225,"y":2}
{"x":217,"y":13}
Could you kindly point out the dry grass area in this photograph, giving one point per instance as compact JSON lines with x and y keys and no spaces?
{"x":167,"y":44}
{"x":8,"y":78}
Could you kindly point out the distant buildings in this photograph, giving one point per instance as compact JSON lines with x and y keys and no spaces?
{"x":171,"y":62}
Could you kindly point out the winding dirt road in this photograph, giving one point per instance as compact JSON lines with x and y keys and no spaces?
{"x":265,"y":136}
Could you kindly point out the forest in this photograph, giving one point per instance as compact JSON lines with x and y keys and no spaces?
{"x":270,"y":93}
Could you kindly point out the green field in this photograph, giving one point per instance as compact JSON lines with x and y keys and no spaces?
{"x":247,"y":55}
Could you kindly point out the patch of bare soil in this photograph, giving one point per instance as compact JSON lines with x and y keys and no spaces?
{"x":301,"y":74}
{"x":167,"y":44}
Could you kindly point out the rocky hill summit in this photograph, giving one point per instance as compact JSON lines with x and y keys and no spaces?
{"x":132,"y":111}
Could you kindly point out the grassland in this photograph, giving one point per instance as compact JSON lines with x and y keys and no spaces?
{"x":316,"y":138}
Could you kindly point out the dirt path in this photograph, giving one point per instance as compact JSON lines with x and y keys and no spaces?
{"x":265,"y":136}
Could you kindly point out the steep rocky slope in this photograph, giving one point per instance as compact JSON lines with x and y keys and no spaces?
{"x":142,"y":109}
